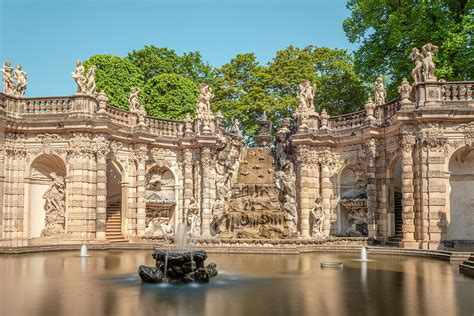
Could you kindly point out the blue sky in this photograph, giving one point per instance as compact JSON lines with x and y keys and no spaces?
{"x":47,"y":36}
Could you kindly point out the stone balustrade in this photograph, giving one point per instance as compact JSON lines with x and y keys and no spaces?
{"x":118,"y":115}
{"x":164,"y":127}
{"x":46,"y":105}
{"x":347,"y":121}
{"x":458,"y":91}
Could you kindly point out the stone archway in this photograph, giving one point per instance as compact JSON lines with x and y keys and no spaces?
{"x":46,"y":196}
{"x":160,"y":202}
{"x":394,"y":198}
{"x":115,"y":202}
{"x":460,"y":215}
{"x":352,"y":207}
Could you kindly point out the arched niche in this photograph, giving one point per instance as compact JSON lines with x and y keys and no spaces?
{"x":394,"y":197}
{"x":353,"y":197}
{"x":460,"y":213}
{"x":160,"y":201}
{"x":42,"y":172}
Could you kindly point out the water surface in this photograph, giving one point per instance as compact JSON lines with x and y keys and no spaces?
{"x":106,"y":283}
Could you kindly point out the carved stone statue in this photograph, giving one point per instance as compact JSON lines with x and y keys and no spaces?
{"x":235,"y":127}
{"x":21,"y":81}
{"x":9,"y":85}
{"x":102,"y":100}
{"x":370,"y":110}
{"x":305,"y":95}
{"x":405,"y":90}
{"x":204,"y":101}
{"x":428,"y":65}
{"x":358,"y":221}
{"x":379,"y":92}
{"x":318,"y":216}
{"x":133,"y":99}
{"x":79,"y":78}
{"x":193,"y":219}
{"x":55,"y":206}
{"x":324,"y":119}
{"x":417,"y":72}
{"x":90,"y":81}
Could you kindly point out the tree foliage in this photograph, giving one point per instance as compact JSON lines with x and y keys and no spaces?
{"x":388,"y":30}
{"x":154,"y":61}
{"x":170,"y":96}
{"x":245,"y":89}
{"x":115,"y":76}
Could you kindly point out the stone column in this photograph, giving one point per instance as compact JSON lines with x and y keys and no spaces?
{"x":406,"y":144}
{"x":433,"y":186}
{"x":101,"y":192}
{"x":208,"y":164}
{"x":371,"y":153}
{"x":328,"y":163}
{"x":307,"y":185}
{"x":187,"y":182}
{"x":141,"y":153}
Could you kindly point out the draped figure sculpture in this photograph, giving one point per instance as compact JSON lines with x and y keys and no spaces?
{"x":21,"y":81}
{"x":305,"y":95}
{"x":55,"y":206}
{"x":428,"y":65}
{"x":417,"y":72}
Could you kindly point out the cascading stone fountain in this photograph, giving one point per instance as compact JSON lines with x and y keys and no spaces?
{"x":178,"y":267}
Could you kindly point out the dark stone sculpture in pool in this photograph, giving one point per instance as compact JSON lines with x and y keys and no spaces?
{"x":178,"y":267}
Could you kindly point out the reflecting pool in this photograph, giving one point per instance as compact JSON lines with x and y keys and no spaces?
{"x":107,"y":283}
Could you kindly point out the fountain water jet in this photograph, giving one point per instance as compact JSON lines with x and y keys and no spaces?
{"x":363,"y":254}
{"x":180,"y":266}
{"x":84,"y":251}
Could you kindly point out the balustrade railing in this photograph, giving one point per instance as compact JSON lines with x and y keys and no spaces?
{"x":118,"y":115}
{"x":164,"y":127}
{"x":458,"y":91}
{"x":46,"y":105}
{"x":346,"y":121}
{"x":387,"y":110}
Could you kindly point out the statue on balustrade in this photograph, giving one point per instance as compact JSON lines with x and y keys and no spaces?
{"x":317,"y":215}
{"x":55,"y":206}
{"x":133,"y":99}
{"x":305,"y":95}
{"x":324,"y":119}
{"x":428,"y":65}
{"x":10,"y":87}
{"x":85,"y":83}
{"x":379,"y":91}
{"x":204,"y":101}
{"x":79,"y":78}
{"x":405,"y":91}
{"x":21,"y":81}
{"x":90,"y":81}
{"x":417,"y":72}
{"x":370,"y":110}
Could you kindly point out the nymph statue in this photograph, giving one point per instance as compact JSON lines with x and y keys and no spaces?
{"x":21,"y":81}
{"x":305,"y":95}
{"x":8,"y":83}
{"x":417,"y":71}
{"x":79,"y":78}
{"x":204,"y":101}
{"x":379,"y":91}
{"x":55,"y":206}
{"x":133,"y":99}
{"x":192,"y":218}
{"x":318,"y":216}
{"x":428,"y":65}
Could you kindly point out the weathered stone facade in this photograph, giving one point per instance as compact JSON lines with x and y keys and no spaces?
{"x":76,"y":169}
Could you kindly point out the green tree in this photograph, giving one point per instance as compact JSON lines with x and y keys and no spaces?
{"x":155,"y":61}
{"x":388,"y":30}
{"x":239,"y":91}
{"x":170,"y":96}
{"x":244,"y":88}
{"x":115,"y":76}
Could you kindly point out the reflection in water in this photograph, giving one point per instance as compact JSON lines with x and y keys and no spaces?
{"x":106,"y":283}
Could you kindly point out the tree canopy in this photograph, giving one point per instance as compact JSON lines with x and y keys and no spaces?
{"x":243,"y":88}
{"x":388,"y":30}
{"x":115,"y":76}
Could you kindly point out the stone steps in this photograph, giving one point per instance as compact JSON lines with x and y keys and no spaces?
{"x":113,"y":227}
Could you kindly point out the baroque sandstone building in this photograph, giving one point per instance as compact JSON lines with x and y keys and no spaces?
{"x":75,"y":169}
